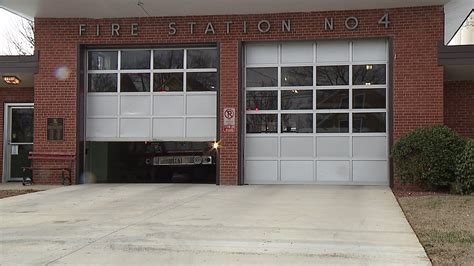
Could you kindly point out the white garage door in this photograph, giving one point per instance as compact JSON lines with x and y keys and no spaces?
{"x":152,"y":94}
{"x":316,"y":112}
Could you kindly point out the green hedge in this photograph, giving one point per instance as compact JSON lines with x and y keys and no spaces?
{"x":428,"y":156}
{"x":465,"y":170}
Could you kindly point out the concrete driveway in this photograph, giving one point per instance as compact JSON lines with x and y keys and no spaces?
{"x":206,"y":224}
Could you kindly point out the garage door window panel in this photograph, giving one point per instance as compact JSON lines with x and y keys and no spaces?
{"x":201,"y":81}
{"x":297,"y":123}
{"x":135,"y":82}
{"x":332,"y":75}
{"x":163,"y":82}
{"x":368,"y":122}
{"x":369,"y":99}
{"x":262,"y":100}
{"x":102,"y":82}
{"x":332,"y":123}
{"x":262,"y":123}
{"x":135,"y":59}
{"x":332,"y":99}
{"x":262,"y":77}
{"x":297,"y":76}
{"x":369,"y":74}
{"x":103,"y":60}
{"x":202,"y":58}
{"x":168,"y":59}
{"x":296,"y":99}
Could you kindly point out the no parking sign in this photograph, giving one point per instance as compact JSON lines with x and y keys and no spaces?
{"x":229,"y":120}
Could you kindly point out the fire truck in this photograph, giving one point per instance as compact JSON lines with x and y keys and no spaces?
{"x":181,"y":162}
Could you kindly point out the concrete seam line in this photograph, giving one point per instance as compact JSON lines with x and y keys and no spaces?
{"x":172,"y":206}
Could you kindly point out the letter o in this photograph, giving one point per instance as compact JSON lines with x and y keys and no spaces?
{"x":265,"y":28}
{"x":355,"y":22}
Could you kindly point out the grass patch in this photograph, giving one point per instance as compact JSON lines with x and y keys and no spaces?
{"x":444,"y":225}
{"x":452,"y":237}
{"x":434,"y":203}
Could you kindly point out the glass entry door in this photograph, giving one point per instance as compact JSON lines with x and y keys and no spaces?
{"x":18,"y":140}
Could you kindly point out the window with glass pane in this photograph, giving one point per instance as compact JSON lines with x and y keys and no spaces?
{"x":262,"y":100}
{"x":368,"y":74}
{"x":134,"y":82}
{"x":102,"y":60}
{"x":168,"y":82}
{"x":22,"y":125}
{"x":168,"y":59}
{"x":297,"y":100}
{"x":368,"y":122}
{"x":332,"y":99}
{"x":201,"y":58}
{"x":297,"y":76}
{"x":297,"y":123}
{"x":136,"y":59}
{"x":102,"y":82}
{"x":332,"y":123}
{"x":368,"y":98}
{"x":262,"y":77}
{"x":201,"y":81}
{"x":265,"y":123}
{"x":332,"y":75}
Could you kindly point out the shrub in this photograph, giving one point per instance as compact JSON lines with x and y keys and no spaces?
{"x":428,"y":156}
{"x":465,"y":170}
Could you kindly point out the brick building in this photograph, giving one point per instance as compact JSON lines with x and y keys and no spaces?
{"x":234,"y":94}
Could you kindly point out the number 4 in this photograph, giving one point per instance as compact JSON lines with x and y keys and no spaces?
{"x":385,"y":20}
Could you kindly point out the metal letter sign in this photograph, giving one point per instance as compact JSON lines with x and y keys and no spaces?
{"x":229,"y":120}
{"x":228,"y":27}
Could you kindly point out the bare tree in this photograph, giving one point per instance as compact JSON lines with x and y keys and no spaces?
{"x":20,"y":37}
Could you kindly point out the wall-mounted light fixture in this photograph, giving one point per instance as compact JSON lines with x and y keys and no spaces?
{"x":11,"y":80}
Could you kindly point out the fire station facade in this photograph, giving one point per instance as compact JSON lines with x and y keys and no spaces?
{"x":287,"y":98}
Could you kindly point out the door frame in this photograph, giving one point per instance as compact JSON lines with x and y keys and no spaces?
{"x":6,"y":133}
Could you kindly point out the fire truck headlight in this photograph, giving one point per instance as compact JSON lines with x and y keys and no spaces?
{"x":215,"y":145}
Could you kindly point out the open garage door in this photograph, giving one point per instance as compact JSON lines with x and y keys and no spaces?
{"x":316,"y":112}
{"x":150,"y":112}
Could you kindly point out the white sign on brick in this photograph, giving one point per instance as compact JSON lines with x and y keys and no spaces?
{"x":229,"y":120}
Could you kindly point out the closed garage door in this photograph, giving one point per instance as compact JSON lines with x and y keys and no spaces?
{"x":316,"y":112}
{"x":152,"y":94}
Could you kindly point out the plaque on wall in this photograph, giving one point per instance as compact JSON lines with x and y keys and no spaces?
{"x":55,"y":129}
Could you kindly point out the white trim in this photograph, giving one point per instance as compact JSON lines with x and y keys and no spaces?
{"x":343,"y":183}
{"x":316,"y":159}
{"x":127,"y":139}
{"x":351,"y":122}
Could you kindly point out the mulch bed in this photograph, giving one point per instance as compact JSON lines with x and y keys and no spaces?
{"x":402,"y":193}
{"x":11,"y":193}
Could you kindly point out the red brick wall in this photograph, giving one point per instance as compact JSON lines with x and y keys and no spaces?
{"x":11,"y":95}
{"x":417,"y":83}
{"x":459,"y":106}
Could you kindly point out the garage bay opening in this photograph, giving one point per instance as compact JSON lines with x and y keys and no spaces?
{"x":152,"y":162}
{"x":151,"y":115}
